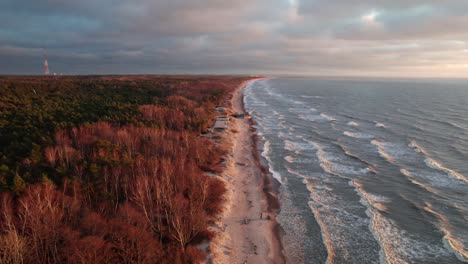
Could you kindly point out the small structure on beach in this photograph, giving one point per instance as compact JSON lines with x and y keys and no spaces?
{"x":222,"y":121}
{"x":223,"y":118}
{"x":220,"y":125}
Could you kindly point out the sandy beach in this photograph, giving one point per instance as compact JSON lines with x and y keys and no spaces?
{"x":248,"y":229}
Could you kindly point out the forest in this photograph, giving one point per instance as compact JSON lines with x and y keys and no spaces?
{"x":109,"y":169}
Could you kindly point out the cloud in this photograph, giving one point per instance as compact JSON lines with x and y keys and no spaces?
{"x":358,"y":37}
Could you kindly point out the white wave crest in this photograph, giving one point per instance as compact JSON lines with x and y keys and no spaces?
{"x":381,"y":125}
{"x":397,"y":246}
{"x":328,"y":117}
{"x":358,"y":135}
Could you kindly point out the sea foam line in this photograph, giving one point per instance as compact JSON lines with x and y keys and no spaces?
{"x":436,"y":165}
{"x":396,"y":245}
{"x":358,"y":135}
{"x":449,"y":239}
{"x":265,"y":153}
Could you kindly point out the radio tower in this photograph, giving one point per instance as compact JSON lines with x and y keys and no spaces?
{"x":46,"y":65}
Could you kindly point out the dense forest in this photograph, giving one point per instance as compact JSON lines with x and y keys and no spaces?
{"x":108,"y":169}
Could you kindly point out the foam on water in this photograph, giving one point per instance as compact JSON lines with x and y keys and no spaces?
{"x":338,"y":220}
{"x":436,"y":165}
{"x":266,"y":154}
{"x":312,"y":117}
{"x":350,"y":223}
{"x":289,"y":159}
{"x":331,"y":164}
{"x":294,"y":224}
{"x":297,"y":147}
{"x":414,"y":180}
{"x":358,"y":135}
{"x":381,"y":125}
{"x":340,"y":225}
{"x":376,"y":201}
{"x":328,"y":117}
{"x":450,"y":240}
{"x":397,"y":246}
{"x":390,"y":151}
{"x":432,"y":179}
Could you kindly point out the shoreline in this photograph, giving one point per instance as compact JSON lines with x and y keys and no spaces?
{"x":248,"y":230}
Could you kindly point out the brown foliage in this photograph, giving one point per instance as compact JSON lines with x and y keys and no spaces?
{"x":128,"y":193}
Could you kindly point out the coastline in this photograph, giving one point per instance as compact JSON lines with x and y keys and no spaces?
{"x":248,"y":230}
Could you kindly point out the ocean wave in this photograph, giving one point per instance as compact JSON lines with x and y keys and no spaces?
{"x":351,"y":123}
{"x":417,"y":181}
{"x":358,"y":135}
{"x":280,"y":97}
{"x":342,"y":170}
{"x":266,"y":154}
{"x":282,"y":124}
{"x":397,"y":246}
{"x":391,"y":152}
{"x":330,"y":164}
{"x":293,"y":222}
{"x":382,"y":150}
{"x":450,"y":239}
{"x":436,"y":165}
{"x":328,"y":117}
{"x":413,"y":144}
{"x":289,"y":159}
{"x":303,"y":111}
{"x":343,"y":229}
{"x":429,"y":180}
{"x":312,"y":117}
{"x":297,"y":147}
{"x":348,"y":153}
{"x":381,"y":125}
{"x":281,"y":134}
{"x":375,"y":200}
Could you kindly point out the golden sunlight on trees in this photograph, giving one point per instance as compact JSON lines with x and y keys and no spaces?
{"x":109,"y":175}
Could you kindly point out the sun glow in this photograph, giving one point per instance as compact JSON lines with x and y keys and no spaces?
{"x":370,"y":17}
{"x":292,"y":2}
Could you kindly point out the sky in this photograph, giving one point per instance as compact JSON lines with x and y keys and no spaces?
{"x":412,"y":38}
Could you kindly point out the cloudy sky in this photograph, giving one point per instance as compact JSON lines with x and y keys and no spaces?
{"x":307,"y":37}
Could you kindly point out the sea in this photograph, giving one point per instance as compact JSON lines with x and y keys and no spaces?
{"x":370,"y":170}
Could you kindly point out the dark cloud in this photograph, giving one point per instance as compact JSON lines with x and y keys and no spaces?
{"x":366,"y":37}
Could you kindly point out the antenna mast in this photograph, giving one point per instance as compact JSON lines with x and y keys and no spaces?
{"x":46,"y":64}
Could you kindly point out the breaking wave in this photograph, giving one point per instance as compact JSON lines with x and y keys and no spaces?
{"x":328,"y":117}
{"x":436,"y":165}
{"x":358,"y":135}
{"x":331,"y":164}
{"x":451,"y":241}
{"x":266,"y":154}
{"x":397,"y":246}
{"x":381,"y":125}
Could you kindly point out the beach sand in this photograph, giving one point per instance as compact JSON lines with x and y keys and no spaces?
{"x":248,"y":231}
